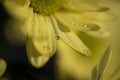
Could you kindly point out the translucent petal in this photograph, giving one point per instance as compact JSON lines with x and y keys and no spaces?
{"x":81,"y":6}
{"x":3,"y":66}
{"x":16,"y":10}
{"x":98,"y":70}
{"x":35,"y":57}
{"x":94,"y":73}
{"x":75,"y":22}
{"x":103,"y":63}
{"x":99,"y":16}
{"x":20,"y":2}
{"x":72,"y":40}
{"x":99,"y":34}
{"x":40,"y":29}
{"x":46,"y":47}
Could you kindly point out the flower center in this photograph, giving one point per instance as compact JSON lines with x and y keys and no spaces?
{"x":46,"y":6}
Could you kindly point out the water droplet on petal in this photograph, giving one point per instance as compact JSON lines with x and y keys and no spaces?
{"x":74,"y":24}
{"x":86,"y":26}
{"x":91,"y":27}
{"x":87,"y":52}
{"x":46,"y":48}
{"x":57,"y":37}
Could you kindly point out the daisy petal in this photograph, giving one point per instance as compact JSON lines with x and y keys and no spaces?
{"x":99,"y":16}
{"x":103,"y":63}
{"x":17,"y":8}
{"x":99,"y":34}
{"x":94,"y":73}
{"x":40,"y":29}
{"x":3,"y":66}
{"x":72,"y":40}
{"x":75,"y":22}
{"x":80,"y":6}
{"x":20,"y":2}
{"x":34,"y":56}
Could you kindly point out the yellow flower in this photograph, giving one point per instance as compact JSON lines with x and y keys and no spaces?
{"x":2,"y":66}
{"x":46,"y":21}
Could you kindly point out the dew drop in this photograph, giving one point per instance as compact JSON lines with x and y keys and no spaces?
{"x":46,"y":48}
{"x":86,"y":52}
{"x":57,"y":37}
{"x":75,"y":25}
{"x":71,"y":23}
{"x":86,"y":26}
{"x":91,"y":27}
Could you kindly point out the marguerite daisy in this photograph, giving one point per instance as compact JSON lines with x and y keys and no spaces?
{"x":45,"y":21}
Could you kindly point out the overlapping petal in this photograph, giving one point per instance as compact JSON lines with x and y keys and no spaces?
{"x":82,"y":6}
{"x":76,"y":22}
{"x":40,"y":29}
{"x":17,"y":8}
{"x":72,"y":40}
{"x":98,"y":16}
{"x":99,"y":34}
{"x":35,"y":57}
{"x":81,"y":22}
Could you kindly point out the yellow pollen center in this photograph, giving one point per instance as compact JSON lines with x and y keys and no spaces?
{"x":46,"y":6}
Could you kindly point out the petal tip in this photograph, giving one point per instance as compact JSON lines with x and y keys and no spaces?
{"x":38,"y":61}
{"x":87,"y":52}
{"x":104,"y":9}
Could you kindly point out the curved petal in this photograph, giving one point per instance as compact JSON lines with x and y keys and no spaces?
{"x":99,"y":34}
{"x":99,"y":16}
{"x":80,"y":22}
{"x":76,"y":22}
{"x":72,"y":40}
{"x":40,"y":29}
{"x":82,"y":6}
{"x":3,"y":66}
{"x":18,"y":9}
{"x":34,"y":56}
{"x":20,"y":2}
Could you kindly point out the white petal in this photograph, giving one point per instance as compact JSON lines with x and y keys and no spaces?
{"x":3,"y":66}
{"x":72,"y":40}
{"x":99,"y":16}
{"x":96,"y":27}
{"x":82,"y":6}
{"x":39,"y":61}
{"x":20,"y":2}
{"x":99,"y":34}
{"x":103,"y":63}
{"x":34,"y":56}
{"x":40,"y":29}
{"x":18,"y":9}
{"x":76,"y":22}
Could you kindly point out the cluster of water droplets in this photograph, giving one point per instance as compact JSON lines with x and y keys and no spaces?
{"x":85,"y":27}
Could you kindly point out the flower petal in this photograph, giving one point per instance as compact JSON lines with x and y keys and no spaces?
{"x":103,"y":62}
{"x":72,"y":40}
{"x":81,"y":6}
{"x":99,"y":16}
{"x":99,"y":34}
{"x":76,"y":22}
{"x":20,"y":2}
{"x":18,"y":9}
{"x":3,"y":66}
{"x":40,"y":29}
{"x":34,"y":56}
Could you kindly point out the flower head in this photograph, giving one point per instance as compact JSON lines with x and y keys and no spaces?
{"x":45,"y":21}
